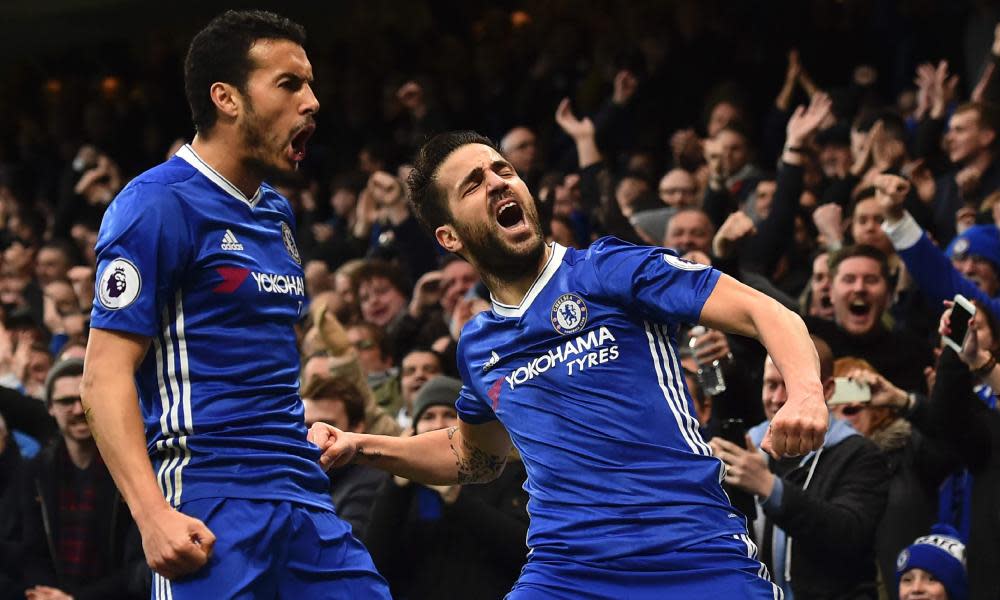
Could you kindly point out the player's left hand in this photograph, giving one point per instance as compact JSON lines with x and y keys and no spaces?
{"x":799,"y":427}
{"x":337,"y":446}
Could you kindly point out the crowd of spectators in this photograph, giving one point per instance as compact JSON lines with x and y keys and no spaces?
{"x":864,"y":206}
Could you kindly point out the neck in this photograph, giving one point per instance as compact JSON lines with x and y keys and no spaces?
{"x":81,"y":452}
{"x":981,"y":161}
{"x":217,"y":152}
{"x":513,"y":291}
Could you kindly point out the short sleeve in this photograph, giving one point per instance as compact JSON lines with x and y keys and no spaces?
{"x":653,"y":281}
{"x":141,"y":246}
{"x":470,"y":407}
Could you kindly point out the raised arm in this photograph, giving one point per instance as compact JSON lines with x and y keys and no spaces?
{"x":175,"y":544}
{"x":463,"y":454}
{"x":800,"y":425}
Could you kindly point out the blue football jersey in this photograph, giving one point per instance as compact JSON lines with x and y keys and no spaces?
{"x":586,"y":377}
{"x":215,"y":280}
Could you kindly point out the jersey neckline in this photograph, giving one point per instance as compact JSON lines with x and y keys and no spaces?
{"x":551,"y":266}
{"x":188,"y":155}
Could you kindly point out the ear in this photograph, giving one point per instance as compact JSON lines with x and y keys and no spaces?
{"x":226,"y":99}
{"x":448,"y":238}
{"x":987,"y":136}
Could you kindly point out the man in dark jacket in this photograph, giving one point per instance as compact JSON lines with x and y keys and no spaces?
{"x":79,"y":540}
{"x":820,"y":510}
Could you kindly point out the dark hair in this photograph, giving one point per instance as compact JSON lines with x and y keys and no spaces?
{"x":860,"y":250}
{"x":379,"y":268}
{"x":377,"y":334}
{"x":420,"y":349}
{"x":892,"y":123}
{"x":62,"y":246}
{"x":323,"y":387}
{"x":739,"y":129}
{"x":429,"y":202}
{"x":221,"y":52}
{"x":866,"y":193}
{"x":992,"y":322}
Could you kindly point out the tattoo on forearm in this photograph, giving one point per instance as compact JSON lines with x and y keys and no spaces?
{"x":475,"y":465}
{"x":366,"y":455}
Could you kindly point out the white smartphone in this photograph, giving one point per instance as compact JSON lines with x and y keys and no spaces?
{"x":848,"y":391}
{"x":961,"y":312}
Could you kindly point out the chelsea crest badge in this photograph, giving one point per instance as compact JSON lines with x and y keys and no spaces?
{"x":289,"y":239}
{"x":569,"y":314}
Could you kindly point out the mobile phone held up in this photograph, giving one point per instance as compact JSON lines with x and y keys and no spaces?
{"x":733,"y":430}
{"x":848,"y":391}
{"x":961,"y":311}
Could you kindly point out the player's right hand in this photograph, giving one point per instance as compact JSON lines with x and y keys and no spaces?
{"x":337,"y":446}
{"x":176,"y":544}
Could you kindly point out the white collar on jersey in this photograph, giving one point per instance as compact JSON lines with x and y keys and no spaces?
{"x":187,"y":153}
{"x":551,"y":266}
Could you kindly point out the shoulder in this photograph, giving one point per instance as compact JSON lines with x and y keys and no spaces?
{"x":603,"y":248}
{"x":473,"y":334}
{"x":856,"y":451}
{"x":273,"y":199}
{"x":612,"y":252}
{"x":172,"y":176}
{"x":164,"y":187}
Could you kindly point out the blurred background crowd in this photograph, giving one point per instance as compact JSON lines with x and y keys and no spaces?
{"x":759,"y":137}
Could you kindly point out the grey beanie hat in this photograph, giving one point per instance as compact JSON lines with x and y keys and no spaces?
{"x":439,"y":391}
{"x":70,"y":367}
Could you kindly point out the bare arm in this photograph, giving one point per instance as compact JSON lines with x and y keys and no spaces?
{"x":801,"y":424}
{"x":174,"y":543}
{"x":464,"y":454}
{"x":112,"y":408}
{"x":583,"y":133}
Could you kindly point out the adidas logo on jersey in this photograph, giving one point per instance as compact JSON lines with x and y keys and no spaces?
{"x":229,"y":242}
{"x":492,"y":362}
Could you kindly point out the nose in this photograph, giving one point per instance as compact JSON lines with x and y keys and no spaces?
{"x":310,"y":104}
{"x":494,"y":183}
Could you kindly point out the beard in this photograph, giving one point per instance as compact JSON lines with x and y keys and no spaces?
{"x":495,"y":257}
{"x":263,"y":154}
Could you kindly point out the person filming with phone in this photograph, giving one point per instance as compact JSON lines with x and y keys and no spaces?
{"x":820,"y":510}
{"x":917,"y":462}
{"x":963,"y":409}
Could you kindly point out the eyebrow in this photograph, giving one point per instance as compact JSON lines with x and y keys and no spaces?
{"x":477,"y":173}
{"x":293,"y":76}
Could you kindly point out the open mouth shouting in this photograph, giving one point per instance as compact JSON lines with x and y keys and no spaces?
{"x":859,"y":307}
{"x":509,"y":215}
{"x":861,"y":315}
{"x":297,"y":144}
